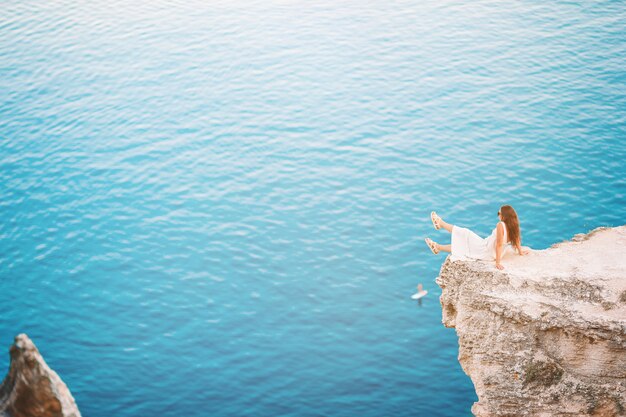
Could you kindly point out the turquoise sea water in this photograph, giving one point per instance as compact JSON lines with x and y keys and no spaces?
{"x":218,"y":208}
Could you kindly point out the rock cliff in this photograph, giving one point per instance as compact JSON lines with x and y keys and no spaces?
{"x":546,"y":336}
{"x":31,"y":388}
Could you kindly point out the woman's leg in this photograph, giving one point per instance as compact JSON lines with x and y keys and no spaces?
{"x":445,"y":248}
{"x":445,"y":225}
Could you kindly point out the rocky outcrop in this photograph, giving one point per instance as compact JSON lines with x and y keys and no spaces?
{"x":546,"y":336}
{"x":32,"y":389}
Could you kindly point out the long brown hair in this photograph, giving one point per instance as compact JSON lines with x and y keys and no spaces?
{"x":509,"y":217}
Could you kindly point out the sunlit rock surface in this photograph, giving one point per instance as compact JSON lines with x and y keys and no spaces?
{"x":547,"y":335}
{"x":31,"y":388}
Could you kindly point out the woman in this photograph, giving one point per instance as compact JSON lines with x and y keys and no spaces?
{"x":467,"y":244}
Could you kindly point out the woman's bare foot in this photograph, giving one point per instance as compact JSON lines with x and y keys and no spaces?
{"x":436,"y":220}
{"x":434,"y":247}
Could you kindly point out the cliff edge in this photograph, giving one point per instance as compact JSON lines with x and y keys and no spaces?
{"x":31,"y":388}
{"x":547,"y":335}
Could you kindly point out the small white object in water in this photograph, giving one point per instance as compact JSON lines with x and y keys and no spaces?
{"x":419,"y":294}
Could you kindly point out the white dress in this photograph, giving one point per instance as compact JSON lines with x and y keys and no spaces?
{"x":468,"y":245}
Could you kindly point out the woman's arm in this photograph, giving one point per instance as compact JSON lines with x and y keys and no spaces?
{"x":499,"y":244}
{"x":522,"y":250}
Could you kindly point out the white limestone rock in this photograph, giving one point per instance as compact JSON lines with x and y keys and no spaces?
{"x":547,"y":335}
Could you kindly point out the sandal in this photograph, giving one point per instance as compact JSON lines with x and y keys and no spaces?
{"x":432,"y":245}
{"x":435,"y":219}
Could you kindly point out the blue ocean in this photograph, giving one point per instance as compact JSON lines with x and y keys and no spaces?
{"x":217,"y":208}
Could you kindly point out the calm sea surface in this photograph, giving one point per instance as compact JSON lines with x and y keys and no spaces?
{"x":217,"y":208}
